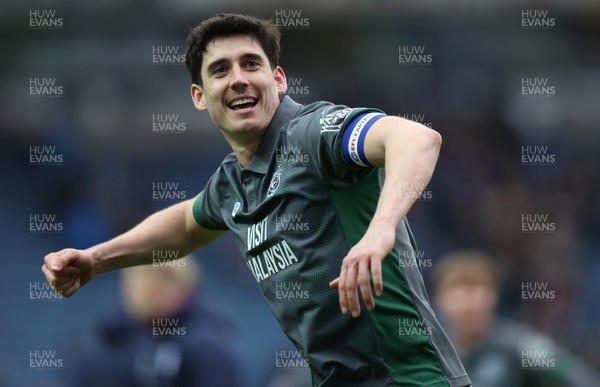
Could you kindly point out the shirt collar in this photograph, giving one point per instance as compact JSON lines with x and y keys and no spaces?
{"x":286,"y":111}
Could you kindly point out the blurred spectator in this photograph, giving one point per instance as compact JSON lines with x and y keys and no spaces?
{"x":161,"y":336}
{"x":495,"y":351}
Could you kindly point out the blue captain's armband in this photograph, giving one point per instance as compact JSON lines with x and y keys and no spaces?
{"x":353,"y":141}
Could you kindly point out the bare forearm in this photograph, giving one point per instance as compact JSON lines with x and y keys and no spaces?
{"x":173,"y":230}
{"x":408,"y":152}
{"x":164,"y":230}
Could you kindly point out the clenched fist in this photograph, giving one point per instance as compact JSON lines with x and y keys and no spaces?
{"x":68,"y":270}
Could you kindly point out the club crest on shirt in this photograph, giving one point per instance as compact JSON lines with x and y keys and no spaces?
{"x":275,"y":181}
{"x":236,"y":207}
{"x":331,"y":121}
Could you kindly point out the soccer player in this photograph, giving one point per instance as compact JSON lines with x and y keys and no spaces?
{"x":302,"y":196}
{"x":496,"y":351}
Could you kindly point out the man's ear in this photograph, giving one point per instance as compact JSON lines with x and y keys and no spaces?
{"x":198,"y":97}
{"x":280,"y":80}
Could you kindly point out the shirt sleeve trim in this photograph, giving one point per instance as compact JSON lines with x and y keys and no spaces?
{"x":199,"y":218}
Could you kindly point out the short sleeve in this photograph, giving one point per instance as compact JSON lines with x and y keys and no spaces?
{"x":333,"y":136}
{"x":206,"y":208}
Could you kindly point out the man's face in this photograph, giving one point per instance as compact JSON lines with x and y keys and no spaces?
{"x":149,"y":292}
{"x":468,"y":306}
{"x":240,"y":90}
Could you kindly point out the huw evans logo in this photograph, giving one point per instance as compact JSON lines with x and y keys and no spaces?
{"x":537,"y":224}
{"x":416,"y":117}
{"x":537,"y":87}
{"x":413,"y":327}
{"x":44,"y":19}
{"x":44,"y":360}
{"x":42,"y":291}
{"x":44,"y":87}
{"x":415,"y":191}
{"x":168,"y":328}
{"x":167,"y":55}
{"x":167,"y":191}
{"x":291,"y":155}
{"x":536,"y":291}
{"x":414,"y":258}
{"x":290,"y":359}
{"x":44,"y":155}
{"x":290,"y":291}
{"x":45,"y":224}
{"x":167,"y":259}
{"x":537,"y":19}
{"x":291,"y":223}
{"x":168,"y":124}
{"x":537,"y":155}
{"x":537,"y":359}
{"x":296,"y":89}
{"x":414,"y":55}
{"x":291,"y":19}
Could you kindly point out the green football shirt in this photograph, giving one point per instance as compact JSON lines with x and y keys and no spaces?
{"x":303,"y":201}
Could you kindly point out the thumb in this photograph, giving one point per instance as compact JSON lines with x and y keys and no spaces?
{"x":334,"y":284}
{"x":63,"y":259}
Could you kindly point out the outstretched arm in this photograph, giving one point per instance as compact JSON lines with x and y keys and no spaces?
{"x":408,"y":151}
{"x":173,"y":229}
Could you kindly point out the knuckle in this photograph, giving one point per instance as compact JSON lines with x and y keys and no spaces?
{"x":351,"y":257}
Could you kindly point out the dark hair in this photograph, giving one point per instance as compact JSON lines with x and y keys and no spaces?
{"x":228,"y":24}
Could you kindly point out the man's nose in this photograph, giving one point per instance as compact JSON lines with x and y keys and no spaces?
{"x":239,"y":78}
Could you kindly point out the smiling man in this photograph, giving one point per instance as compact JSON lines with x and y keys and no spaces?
{"x":301,"y":194}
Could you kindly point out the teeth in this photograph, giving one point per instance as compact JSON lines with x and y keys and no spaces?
{"x":242,"y":101}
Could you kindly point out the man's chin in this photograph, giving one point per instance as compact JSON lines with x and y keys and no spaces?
{"x":247,"y":126}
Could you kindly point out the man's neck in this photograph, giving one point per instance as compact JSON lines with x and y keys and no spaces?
{"x":245,"y":150}
{"x":471,"y":338}
{"x":245,"y":153}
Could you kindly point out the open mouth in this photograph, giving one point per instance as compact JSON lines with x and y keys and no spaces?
{"x":243,"y":103}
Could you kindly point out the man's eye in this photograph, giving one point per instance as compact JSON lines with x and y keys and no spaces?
{"x":219,"y":70}
{"x":252,"y":63}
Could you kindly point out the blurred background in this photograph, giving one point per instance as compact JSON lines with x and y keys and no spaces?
{"x":97,"y":131}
